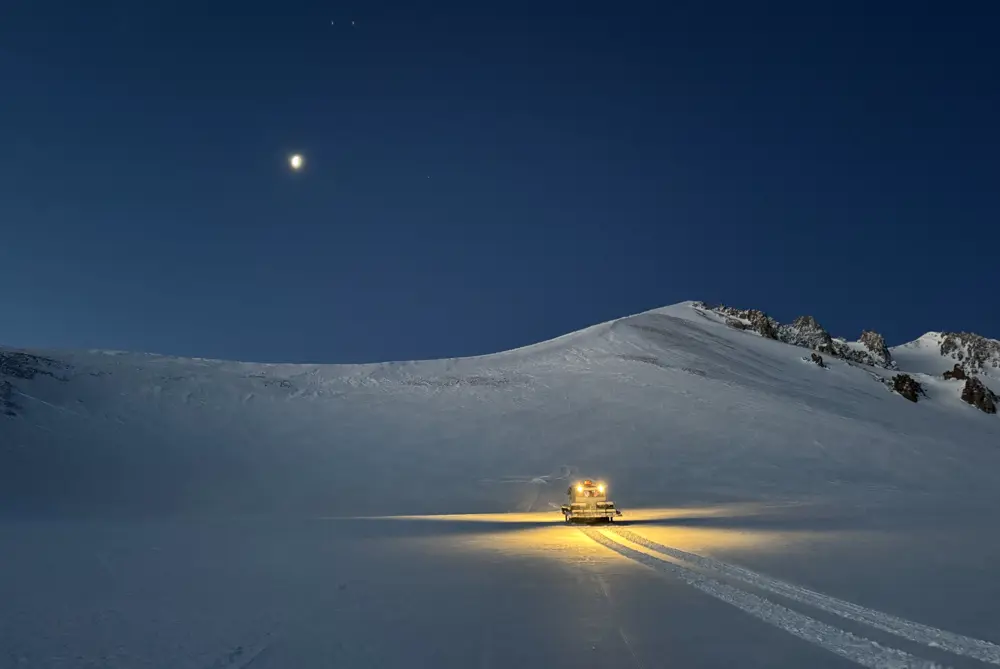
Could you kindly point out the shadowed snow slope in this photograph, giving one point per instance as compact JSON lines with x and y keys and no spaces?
{"x":671,"y":406}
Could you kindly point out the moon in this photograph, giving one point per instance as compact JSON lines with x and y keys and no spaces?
{"x":296,"y":161}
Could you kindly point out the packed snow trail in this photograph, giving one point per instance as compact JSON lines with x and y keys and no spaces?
{"x":452,"y":592}
{"x":862,"y":651}
{"x":933,"y":637}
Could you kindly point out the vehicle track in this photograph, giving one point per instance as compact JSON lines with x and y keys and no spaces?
{"x":858,"y":649}
{"x":977,"y":649}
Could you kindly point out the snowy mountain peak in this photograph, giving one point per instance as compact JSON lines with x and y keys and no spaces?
{"x":935,"y":353}
{"x":946,"y":356}
{"x":975,"y":353}
{"x":932,"y":339}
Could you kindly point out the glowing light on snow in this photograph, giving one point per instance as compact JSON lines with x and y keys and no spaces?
{"x":297,"y":162}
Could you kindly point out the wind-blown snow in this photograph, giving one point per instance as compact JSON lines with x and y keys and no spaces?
{"x":671,"y":405}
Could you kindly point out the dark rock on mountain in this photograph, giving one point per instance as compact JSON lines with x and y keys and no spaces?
{"x":978,"y":395}
{"x":956,"y":373}
{"x":805,"y":331}
{"x":907,"y":386}
{"x":15,"y":365}
{"x":755,"y":320}
{"x":875,"y":343}
{"x":974,"y":353}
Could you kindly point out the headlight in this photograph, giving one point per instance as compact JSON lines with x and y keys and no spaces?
{"x":600,"y":488}
{"x":579,"y":488}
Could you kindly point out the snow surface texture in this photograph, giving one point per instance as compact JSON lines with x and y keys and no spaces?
{"x":200,"y":514}
{"x":672,"y":405}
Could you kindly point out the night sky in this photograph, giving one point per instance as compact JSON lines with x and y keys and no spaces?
{"x":481,"y":176}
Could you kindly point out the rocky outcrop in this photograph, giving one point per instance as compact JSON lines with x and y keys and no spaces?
{"x":763,"y":325}
{"x":875,"y":343}
{"x":907,"y":386}
{"x":14,"y":366}
{"x":956,"y":373}
{"x":978,"y":395}
{"x":805,"y":331}
{"x":974,"y":353}
{"x":841,"y":349}
{"x":873,"y":351}
{"x":750,"y":319}
{"x":17,"y":365}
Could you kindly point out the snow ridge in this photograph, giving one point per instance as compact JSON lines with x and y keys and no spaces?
{"x":805,"y":331}
{"x":671,"y":404}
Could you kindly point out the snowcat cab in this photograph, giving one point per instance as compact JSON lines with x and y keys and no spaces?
{"x":588,"y":501}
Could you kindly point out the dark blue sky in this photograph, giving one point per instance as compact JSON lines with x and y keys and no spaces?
{"x":485,"y":175}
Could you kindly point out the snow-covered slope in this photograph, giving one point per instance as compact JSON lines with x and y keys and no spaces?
{"x":673,"y":406}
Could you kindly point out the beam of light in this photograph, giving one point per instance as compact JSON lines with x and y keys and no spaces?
{"x":725,"y":530}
